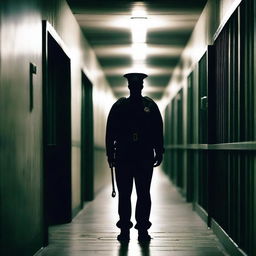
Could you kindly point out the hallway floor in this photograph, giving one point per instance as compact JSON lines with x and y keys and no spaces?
{"x":176,"y":231}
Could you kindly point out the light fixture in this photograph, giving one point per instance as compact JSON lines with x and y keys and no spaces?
{"x":139,"y":24}
{"x":139,"y":29}
{"x":139,"y":51}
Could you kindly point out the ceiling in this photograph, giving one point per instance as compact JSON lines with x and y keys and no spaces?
{"x":106,"y":26}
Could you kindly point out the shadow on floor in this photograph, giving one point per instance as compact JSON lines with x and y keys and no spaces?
{"x":124,"y":247}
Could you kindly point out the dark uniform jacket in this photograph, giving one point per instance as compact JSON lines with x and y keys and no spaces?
{"x":134,"y":130}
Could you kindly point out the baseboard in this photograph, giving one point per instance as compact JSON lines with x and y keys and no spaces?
{"x":181,"y":191}
{"x":201,"y":212}
{"x":75,"y":211}
{"x":39,"y":252}
{"x":231,"y":247}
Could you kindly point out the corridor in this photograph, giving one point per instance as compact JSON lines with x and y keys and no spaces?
{"x":70,"y":107}
{"x":176,"y":231}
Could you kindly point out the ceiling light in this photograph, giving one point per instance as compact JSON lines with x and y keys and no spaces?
{"x":139,"y":29}
{"x":139,"y":51}
{"x":139,"y":10}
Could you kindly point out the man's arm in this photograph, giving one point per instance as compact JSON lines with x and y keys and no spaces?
{"x":158,"y":139}
{"x":111,"y":136}
{"x":112,"y":130}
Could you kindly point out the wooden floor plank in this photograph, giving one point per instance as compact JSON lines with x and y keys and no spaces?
{"x":176,"y":230}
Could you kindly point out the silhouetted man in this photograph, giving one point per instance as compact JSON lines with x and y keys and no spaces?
{"x":134,"y":143}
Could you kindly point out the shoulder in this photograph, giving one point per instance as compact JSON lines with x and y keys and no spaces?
{"x":120,"y":102}
{"x":151,"y":105}
{"x":149,"y":101}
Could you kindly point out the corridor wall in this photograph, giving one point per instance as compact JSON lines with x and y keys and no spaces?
{"x":216,"y":157}
{"x":21,"y":156}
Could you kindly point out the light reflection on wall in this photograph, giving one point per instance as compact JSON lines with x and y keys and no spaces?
{"x":22,"y":41}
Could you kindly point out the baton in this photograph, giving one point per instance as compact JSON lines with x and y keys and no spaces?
{"x":113,"y":184}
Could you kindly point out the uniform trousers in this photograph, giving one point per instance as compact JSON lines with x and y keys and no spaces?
{"x":141,"y":173}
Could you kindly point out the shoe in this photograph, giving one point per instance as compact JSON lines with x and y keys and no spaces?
{"x":124,"y":235}
{"x":144,"y":236}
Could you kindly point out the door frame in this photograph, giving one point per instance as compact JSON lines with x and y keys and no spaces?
{"x":47,"y":29}
{"x":87,"y":144}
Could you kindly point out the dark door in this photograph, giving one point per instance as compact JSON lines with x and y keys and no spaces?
{"x":87,"y":180}
{"x":191,"y":171}
{"x":203,"y":98}
{"x":57,"y":134}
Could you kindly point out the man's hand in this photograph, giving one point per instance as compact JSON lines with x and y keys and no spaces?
{"x":158,"y":159}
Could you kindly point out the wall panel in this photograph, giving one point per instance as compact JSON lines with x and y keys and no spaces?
{"x":20,"y":128}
